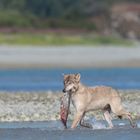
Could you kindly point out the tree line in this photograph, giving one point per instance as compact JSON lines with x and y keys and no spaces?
{"x":46,"y":13}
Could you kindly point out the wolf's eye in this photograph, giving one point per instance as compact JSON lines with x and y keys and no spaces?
{"x":69,"y":83}
{"x":74,"y":88}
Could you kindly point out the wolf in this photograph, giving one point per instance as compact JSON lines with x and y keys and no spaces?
{"x":87,"y":99}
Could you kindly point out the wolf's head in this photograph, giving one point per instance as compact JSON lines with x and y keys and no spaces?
{"x":71,"y":82}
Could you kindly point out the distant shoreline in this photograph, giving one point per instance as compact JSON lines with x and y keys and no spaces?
{"x":69,"y":57}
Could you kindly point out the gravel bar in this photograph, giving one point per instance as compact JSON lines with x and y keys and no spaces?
{"x":44,"y":106}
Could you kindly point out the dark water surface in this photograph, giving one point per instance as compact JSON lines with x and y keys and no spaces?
{"x":52,"y":79}
{"x":39,"y":134}
{"x":53,"y":131}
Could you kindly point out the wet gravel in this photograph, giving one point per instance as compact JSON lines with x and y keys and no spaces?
{"x":44,"y":106}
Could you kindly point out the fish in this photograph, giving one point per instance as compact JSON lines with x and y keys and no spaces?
{"x":64,"y":108}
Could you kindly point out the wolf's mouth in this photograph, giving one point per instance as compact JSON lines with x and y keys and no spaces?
{"x":64,"y":90}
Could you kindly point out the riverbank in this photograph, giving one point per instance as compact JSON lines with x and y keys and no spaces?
{"x":44,"y":106}
{"x":61,"y":38}
{"x":69,"y":56}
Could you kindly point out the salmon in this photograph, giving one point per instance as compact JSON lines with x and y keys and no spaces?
{"x":64,"y":108}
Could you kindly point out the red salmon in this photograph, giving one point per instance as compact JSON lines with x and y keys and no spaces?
{"x":64,"y":108}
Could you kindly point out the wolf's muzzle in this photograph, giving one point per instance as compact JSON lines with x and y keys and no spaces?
{"x":64,"y":90}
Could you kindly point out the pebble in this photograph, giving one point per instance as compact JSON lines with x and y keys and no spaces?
{"x":26,"y":106}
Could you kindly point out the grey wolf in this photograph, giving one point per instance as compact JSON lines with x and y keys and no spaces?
{"x":87,"y":99}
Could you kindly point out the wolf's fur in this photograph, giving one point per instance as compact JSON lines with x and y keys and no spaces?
{"x":86,"y":99}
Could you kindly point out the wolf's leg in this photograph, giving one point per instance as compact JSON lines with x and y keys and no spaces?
{"x":129,"y":117}
{"x":120,"y":111}
{"x":85,"y":124}
{"x":77,"y":119}
{"x":108,"y":119}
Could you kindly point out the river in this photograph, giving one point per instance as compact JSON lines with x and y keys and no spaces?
{"x":53,"y":131}
{"x":43,"y":79}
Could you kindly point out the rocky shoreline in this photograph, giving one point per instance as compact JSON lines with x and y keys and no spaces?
{"x":45,"y":106}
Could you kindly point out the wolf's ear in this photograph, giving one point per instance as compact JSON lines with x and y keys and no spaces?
{"x":77,"y":76}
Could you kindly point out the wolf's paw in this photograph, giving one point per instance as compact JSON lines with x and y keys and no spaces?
{"x":134,"y":125}
{"x":110,"y":127}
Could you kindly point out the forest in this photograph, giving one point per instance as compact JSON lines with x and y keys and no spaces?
{"x":54,"y":13}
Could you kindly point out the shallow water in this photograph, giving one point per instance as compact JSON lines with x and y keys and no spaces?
{"x":52,"y":79}
{"x":54,"y":131}
{"x":57,"y":125}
